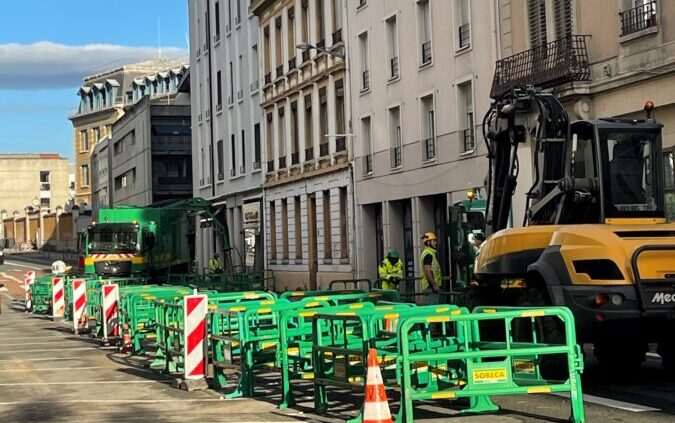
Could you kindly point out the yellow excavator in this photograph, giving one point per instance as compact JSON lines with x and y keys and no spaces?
{"x":594,"y":237}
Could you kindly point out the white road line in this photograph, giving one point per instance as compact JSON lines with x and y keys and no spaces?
{"x":47,"y":349}
{"x":621,"y":405}
{"x":50,"y":369}
{"x":13,"y":263}
{"x":106,"y":382}
{"x":17,"y":280}
{"x":114,"y":401}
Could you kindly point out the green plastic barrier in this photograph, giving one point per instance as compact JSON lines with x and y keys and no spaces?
{"x":224,"y":282}
{"x":41,"y":294}
{"x":481,"y":369}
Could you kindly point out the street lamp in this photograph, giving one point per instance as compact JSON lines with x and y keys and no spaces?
{"x":335,"y":51}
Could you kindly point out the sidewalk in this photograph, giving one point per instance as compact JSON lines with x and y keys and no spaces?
{"x":43,"y":257}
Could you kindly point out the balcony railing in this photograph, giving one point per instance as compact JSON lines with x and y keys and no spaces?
{"x":396,"y":156}
{"x":340,"y":144}
{"x":429,"y":146}
{"x":280,"y":70}
{"x":291,"y":64}
{"x":282,"y":162}
{"x":268,"y":78}
{"x":426,"y":52}
{"x":469,"y":140}
{"x":295,"y":158}
{"x":270,"y":166}
{"x":256,"y":165}
{"x":558,"y":62}
{"x":321,"y":43}
{"x":305,"y":56}
{"x":323,"y":149}
{"x":464,"y":36}
{"x":638,"y":18}
{"x":309,"y":154}
{"x":368,"y":164}
{"x":393,"y":67}
{"x":337,"y":36}
{"x":365,"y":75}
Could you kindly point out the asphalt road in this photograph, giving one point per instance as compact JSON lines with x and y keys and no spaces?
{"x":48,"y":374}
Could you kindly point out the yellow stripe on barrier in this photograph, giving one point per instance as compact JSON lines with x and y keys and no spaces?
{"x":264,"y":310}
{"x":266,"y":302}
{"x":442,"y":395}
{"x":442,"y":309}
{"x":313,"y":304}
{"x":391,"y":316}
{"x":489,"y":310}
{"x":213,"y":307}
{"x":358,"y":305}
{"x":456,"y":312}
{"x":322,"y":298}
{"x":297,"y":294}
{"x":374,"y":295}
{"x":438,"y":319}
{"x":239,"y":308}
{"x":307,"y":376}
{"x":293,"y":350}
{"x":533,"y":313}
{"x":346,"y":313}
{"x":539,"y":390}
{"x":307,"y":313}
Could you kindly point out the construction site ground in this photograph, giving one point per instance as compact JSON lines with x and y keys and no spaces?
{"x":49,"y":374}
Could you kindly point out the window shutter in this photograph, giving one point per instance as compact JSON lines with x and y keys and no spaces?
{"x":536,"y":11}
{"x":563,"y":19}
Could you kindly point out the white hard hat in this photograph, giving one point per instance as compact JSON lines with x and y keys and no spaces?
{"x":58,"y":267}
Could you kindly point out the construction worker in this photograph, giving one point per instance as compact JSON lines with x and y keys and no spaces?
{"x":391,"y":270}
{"x":431,"y":269}
{"x":214,"y":264}
{"x":478,"y":240}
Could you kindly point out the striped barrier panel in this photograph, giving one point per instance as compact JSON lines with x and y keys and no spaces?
{"x":195,"y":308}
{"x":110,"y":301}
{"x":79,"y":305}
{"x":58,"y":298}
{"x":28,"y":281}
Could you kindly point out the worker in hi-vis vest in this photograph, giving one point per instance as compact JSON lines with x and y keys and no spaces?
{"x":391,"y":270}
{"x":431,"y":269}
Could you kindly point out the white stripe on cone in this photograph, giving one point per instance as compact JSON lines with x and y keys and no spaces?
{"x":375,"y":406}
{"x":376,"y":411}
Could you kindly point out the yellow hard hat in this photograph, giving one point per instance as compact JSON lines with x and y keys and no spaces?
{"x":429,"y":236}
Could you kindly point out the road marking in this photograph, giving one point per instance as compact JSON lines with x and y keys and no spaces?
{"x":107,"y":382}
{"x":50,"y":369}
{"x":13,"y":263}
{"x":621,"y":405}
{"x":47,"y":349}
{"x":17,"y":280}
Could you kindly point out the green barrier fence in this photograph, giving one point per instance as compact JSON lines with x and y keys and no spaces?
{"x":226,"y":282}
{"x":345,"y":284}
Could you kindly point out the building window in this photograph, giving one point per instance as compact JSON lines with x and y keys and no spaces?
{"x":320,"y":24}
{"x":323,"y":123}
{"x":84,"y":175}
{"x":295,"y":141}
{"x":269,"y":142}
{"x":284,"y":228}
{"x":279,"y":62}
{"x":118,"y":147}
{"x":462,"y":24}
{"x":255,"y":76}
{"x":282,"y":138}
{"x":396,"y":143}
{"x":466,"y":121}
{"x":309,"y":128}
{"x":273,"y":231}
{"x":305,"y":23}
{"x":97,"y":135}
{"x":428,"y":125}
{"x":424,"y":30}
{"x":290,"y":37}
{"x":243,"y":152}
{"x":366,"y":135}
{"x":256,"y":146}
{"x":327,"y":232}
{"x":344,"y":233}
{"x":392,"y":47}
{"x":221,"y":166}
{"x":297,"y":214}
{"x":363,"y":56}
{"x":233,"y":156}
{"x":340,"y":140}
{"x":637,"y":15}
{"x":266,"y":54}
{"x":228,"y":27}
{"x":536,"y":18}
{"x":84,"y":140}
{"x":337,"y":21}
{"x":240,"y":69}
{"x":217,"y":14}
{"x":563,"y":18}
{"x":219,"y":90}
{"x":237,"y":20}
{"x":230,"y":99}
{"x":44,"y":181}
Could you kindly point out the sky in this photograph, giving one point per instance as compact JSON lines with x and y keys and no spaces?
{"x":48,"y":46}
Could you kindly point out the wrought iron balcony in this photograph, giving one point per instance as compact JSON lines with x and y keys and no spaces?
{"x":464,"y":36}
{"x":549,"y":65}
{"x":365,"y":80}
{"x":270,"y":165}
{"x":280,"y":70}
{"x":268,"y":78}
{"x":393,"y":67}
{"x":305,"y":56}
{"x":309,"y":154}
{"x":233,"y":172}
{"x":426,"y":52}
{"x":638,"y":18}
{"x":254,"y":85}
{"x":368,"y":164}
{"x":429,"y":152}
{"x":295,"y":158}
{"x":282,"y":162}
{"x":337,"y":36}
{"x":340,"y":144}
{"x":469,"y":140}
{"x":396,"y":156}
{"x":323,"y":149}
{"x":291,"y":64}
{"x":321,"y":43}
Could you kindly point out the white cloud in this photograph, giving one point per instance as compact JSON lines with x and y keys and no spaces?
{"x":47,"y":65}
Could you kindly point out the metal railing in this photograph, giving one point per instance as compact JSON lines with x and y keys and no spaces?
{"x":323,"y":149}
{"x":256,"y":165}
{"x":270,"y":165}
{"x":280,"y":70}
{"x":305,"y":56}
{"x":291,"y":64}
{"x":426,"y":52}
{"x":464,"y":35}
{"x":321,"y":44}
{"x":469,"y":140}
{"x":393,"y":68}
{"x":268,"y":78}
{"x":340,"y":144}
{"x":368,"y":164}
{"x":295,"y":158}
{"x":233,"y":172}
{"x":396,"y":156}
{"x":337,"y":36}
{"x":548,"y":65}
{"x":282,"y":162}
{"x":638,"y":18}
{"x":429,"y":145}
{"x":309,"y":153}
{"x":365,"y":81}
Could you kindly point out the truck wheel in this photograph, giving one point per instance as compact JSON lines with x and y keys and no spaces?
{"x":613,"y":355}
{"x":483,"y":295}
{"x":549,"y":330}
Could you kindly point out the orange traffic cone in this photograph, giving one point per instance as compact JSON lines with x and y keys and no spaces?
{"x":376,"y":406}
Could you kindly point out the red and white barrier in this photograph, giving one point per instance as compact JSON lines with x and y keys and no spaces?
{"x":27,"y":282}
{"x":111,"y":299}
{"x":58,"y":298}
{"x":195,"y":308}
{"x":79,"y":304}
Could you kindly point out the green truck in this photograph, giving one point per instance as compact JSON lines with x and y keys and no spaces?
{"x":153,"y":240}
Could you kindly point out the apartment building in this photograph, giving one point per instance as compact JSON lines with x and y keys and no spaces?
{"x":602,"y":58}
{"x":103,"y":98}
{"x":226,"y":126}
{"x":421,"y":73}
{"x":305,"y":105}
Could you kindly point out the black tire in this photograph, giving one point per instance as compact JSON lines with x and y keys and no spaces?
{"x":483,"y":295}
{"x":549,"y":331}
{"x":667,"y":352}
{"x":612,"y":354}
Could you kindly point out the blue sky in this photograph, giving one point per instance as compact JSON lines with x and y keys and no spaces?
{"x":47,"y":46}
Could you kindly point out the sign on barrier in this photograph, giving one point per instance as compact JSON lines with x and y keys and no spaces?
{"x":79,"y":303}
{"x":195,"y":308}
{"x":110,"y":309}
{"x":58,"y":298}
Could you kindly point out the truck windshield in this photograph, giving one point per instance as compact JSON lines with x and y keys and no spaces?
{"x":632,"y":184}
{"x":112,"y":238}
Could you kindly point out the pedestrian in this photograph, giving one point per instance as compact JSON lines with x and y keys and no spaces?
{"x":214,"y":264}
{"x":391,"y":271}
{"x":478,"y":240}
{"x":431,"y":269}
